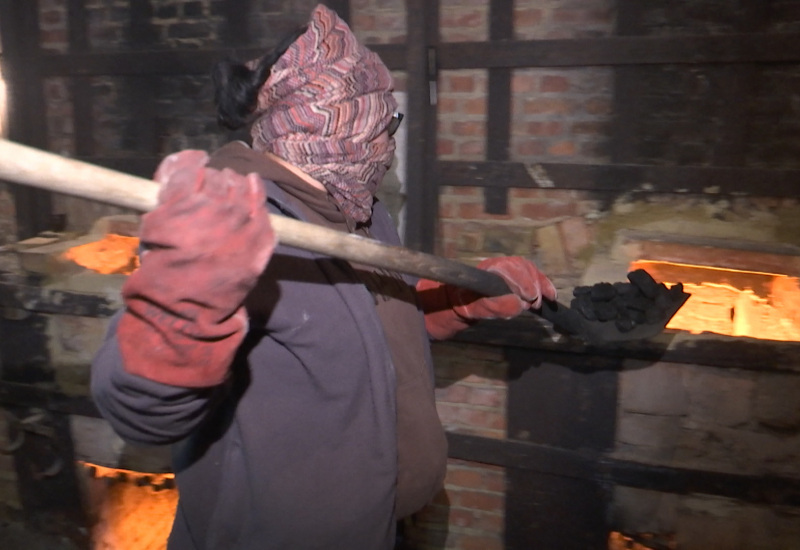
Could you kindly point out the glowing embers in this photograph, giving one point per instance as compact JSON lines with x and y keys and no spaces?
{"x":111,"y":254}
{"x":732,"y":302}
{"x":619,"y":541}
{"x":130,"y":510}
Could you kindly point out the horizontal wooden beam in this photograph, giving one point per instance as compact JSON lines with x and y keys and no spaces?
{"x":614,"y":50}
{"x":30,"y":395}
{"x":614,"y":178}
{"x":671,"y":346}
{"x":711,"y":180}
{"x":773,"y":490}
{"x":622,"y":50}
{"x":171,"y":62}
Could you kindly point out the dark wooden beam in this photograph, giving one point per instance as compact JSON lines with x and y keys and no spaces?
{"x":620,"y":50}
{"x":341,"y":7}
{"x":26,"y":106}
{"x":617,"y":178}
{"x":236,"y":31}
{"x":142,"y":107}
{"x":422,"y":62}
{"x":33,"y":396}
{"x":141,"y":31}
{"x":81,"y":86}
{"x":611,"y":178}
{"x":624,"y":50}
{"x":758,"y":489}
{"x":172,"y":62}
{"x":670,"y":346}
{"x":498,"y":121}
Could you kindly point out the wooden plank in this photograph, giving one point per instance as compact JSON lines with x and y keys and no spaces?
{"x":670,"y":347}
{"x":711,"y":180}
{"x":27,"y":109}
{"x":630,"y":17}
{"x":236,"y":31}
{"x":38,"y":396}
{"x":635,"y":50}
{"x":624,"y":50}
{"x":77,"y":26}
{"x":171,"y":62}
{"x":141,"y":90}
{"x":81,"y":88}
{"x":341,"y":7}
{"x":627,"y":97}
{"x":422,"y":191}
{"x":47,"y":482}
{"x":141,"y":30}
{"x":774,"y":490}
{"x":580,"y":404}
{"x":498,"y":100}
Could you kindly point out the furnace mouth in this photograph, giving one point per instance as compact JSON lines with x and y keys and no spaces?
{"x":732,"y":302}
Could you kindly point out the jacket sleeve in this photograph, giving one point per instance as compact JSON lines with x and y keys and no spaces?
{"x":141,"y":410}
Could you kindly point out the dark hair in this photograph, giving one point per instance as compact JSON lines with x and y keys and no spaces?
{"x":236,"y":86}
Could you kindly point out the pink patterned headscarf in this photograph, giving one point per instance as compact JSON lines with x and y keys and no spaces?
{"x":326,"y":100}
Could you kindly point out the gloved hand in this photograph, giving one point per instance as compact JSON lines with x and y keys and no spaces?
{"x":449,"y":309}
{"x":206,"y":242}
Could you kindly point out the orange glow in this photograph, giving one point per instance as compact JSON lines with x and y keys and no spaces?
{"x":111,"y":254}
{"x":618,"y":541}
{"x":732,"y":302}
{"x":130,"y":510}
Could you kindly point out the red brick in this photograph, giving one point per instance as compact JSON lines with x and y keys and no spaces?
{"x":447,"y":210}
{"x":562,"y":149}
{"x":598,"y":106}
{"x":546,"y":128}
{"x":468,"y":128}
{"x":458,"y":83}
{"x":524,"y":81}
{"x":464,"y":478}
{"x":543,"y":105}
{"x":480,"y":542}
{"x":52,"y":17}
{"x":447,"y":105}
{"x":486,"y":397}
{"x":445,"y":146}
{"x":455,"y":393}
{"x":529,"y":148}
{"x":556,"y":84}
{"x":472,"y":149}
{"x":527,"y":17}
{"x":562,"y":15}
{"x":466,"y":20}
{"x":478,"y":501}
{"x":575,"y":235}
{"x":474,"y":106}
{"x":547,"y":210}
{"x":589,"y":128}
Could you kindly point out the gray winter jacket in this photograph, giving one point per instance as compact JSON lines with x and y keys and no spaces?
{"x":297,"y":450}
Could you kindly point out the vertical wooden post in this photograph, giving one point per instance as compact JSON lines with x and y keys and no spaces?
{"x":498,"y":121}
{"x":422,"y":205}
{"x":26,"y":113}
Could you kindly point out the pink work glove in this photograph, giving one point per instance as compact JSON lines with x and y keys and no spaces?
{"x":449,"y":309}
{"x":207,"y":242}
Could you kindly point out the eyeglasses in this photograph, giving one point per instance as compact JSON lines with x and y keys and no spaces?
{"x":394,"y":123}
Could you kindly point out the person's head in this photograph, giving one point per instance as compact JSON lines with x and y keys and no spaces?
{"x":321,"y":101}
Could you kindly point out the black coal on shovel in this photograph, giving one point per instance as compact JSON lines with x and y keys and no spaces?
{"x":37,"y":168}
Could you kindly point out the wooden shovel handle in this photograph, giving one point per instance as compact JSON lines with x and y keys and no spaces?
{"x":29,"y":166}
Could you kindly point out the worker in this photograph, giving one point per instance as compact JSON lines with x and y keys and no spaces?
{"x":296,"y":389}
